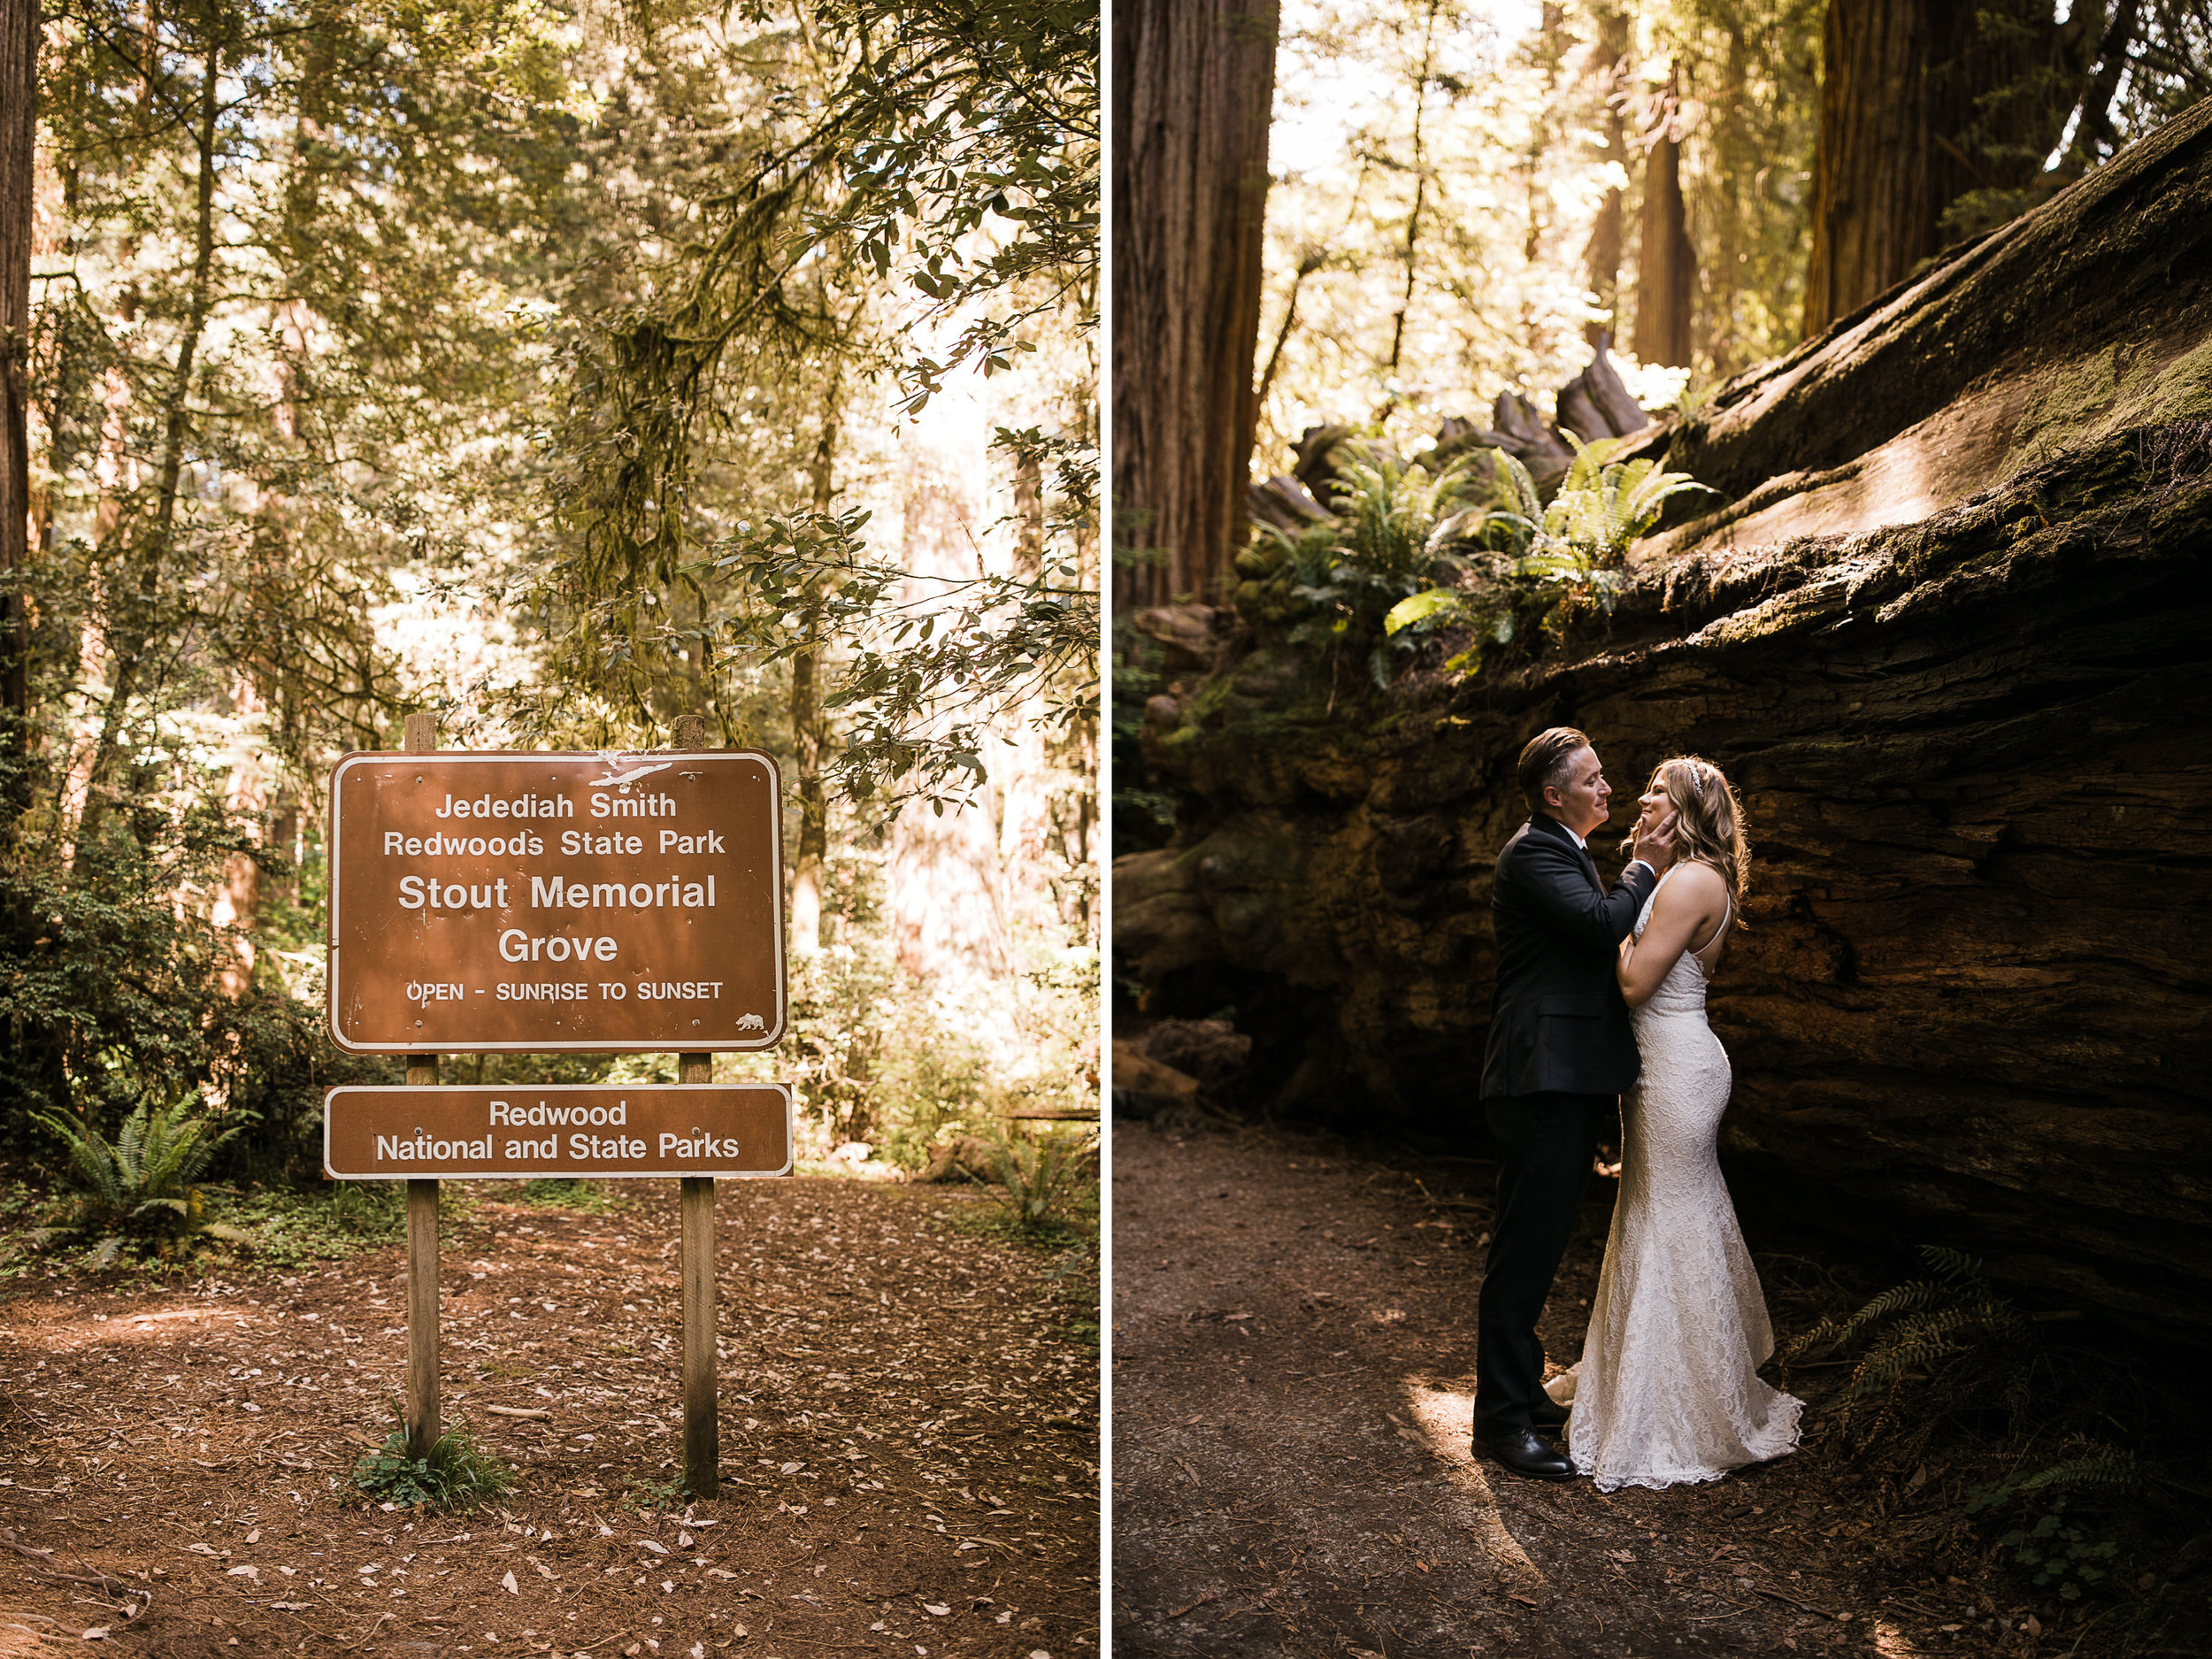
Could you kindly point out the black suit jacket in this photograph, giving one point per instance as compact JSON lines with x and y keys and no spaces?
{"x":1557,"y":1019}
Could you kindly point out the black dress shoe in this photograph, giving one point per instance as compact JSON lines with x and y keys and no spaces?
{"x":1521,"y":1451}
{"x":1545,"y":1415}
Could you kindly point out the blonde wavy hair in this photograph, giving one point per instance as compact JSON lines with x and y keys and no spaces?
{"x":1709,"y":827}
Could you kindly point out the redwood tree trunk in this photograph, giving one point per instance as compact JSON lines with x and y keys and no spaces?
{"x":1601,"y":255}
{"x":1194,"y":83}
{"x":18,"y":97}
{"x":1666,"y":269}
{"x":1897,"y":86}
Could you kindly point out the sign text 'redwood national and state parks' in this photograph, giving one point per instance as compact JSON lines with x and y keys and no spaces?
{"x":565,"y":1130}
{"x":556,"y":901}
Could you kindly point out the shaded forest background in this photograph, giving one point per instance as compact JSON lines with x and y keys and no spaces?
{"x":563,"y":371}
{"x":1404,"y":211}
{"x":1926,"y":581}
{"x":1821,"y":390}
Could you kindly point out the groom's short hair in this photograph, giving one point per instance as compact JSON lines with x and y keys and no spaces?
{"x":1545,"y":761}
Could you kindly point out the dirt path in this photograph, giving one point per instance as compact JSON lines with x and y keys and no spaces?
{"x":1293,"y":1334}
{"x":908,"y":1446}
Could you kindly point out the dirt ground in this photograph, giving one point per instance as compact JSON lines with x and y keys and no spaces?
{"x":1293,"y":1336}
{"x":909,"y":1446}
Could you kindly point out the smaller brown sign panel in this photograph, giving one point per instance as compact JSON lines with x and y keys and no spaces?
{"x":385,"y":1134}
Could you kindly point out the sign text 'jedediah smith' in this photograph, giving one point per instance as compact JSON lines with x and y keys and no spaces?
{"x":472,"y":1133}
{"x":544,"y":902}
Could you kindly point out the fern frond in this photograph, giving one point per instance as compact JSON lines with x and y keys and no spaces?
{"x":1949,"y":1263}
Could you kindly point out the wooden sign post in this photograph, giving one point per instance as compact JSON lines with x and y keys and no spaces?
{"x":694,"y":1205}
{"x":422,"y":1428}
{"x":531,"y":902}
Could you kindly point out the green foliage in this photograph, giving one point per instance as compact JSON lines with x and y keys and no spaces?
{"x":2103,"y":1468}
{"x":1583,"y":534}
{"x":2057,"y":1551}
{"x":368,"y":1209}
{"x":1388,"y":512}
{"x":141,"y":1185}
{"x":953,"y":116}
{"x":1912,"y":1328}
{"x":456,"y":1474}
{"x":337,"y":298}
{"x":1333,"y":585}
{"x":565,"y":1194}
{"x":2059,"y":1555}
{"x":655,"y":1494}
{"x":876,"y":1056}
{"x":1038,"y":1177}
{"x":1414,"y":556}
{"x":871,"y":1060}
{"x":898,"y":170}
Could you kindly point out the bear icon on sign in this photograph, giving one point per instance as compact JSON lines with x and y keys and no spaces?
{"x":752,"y":1022}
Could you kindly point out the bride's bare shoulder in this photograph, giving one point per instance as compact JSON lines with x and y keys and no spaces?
{"x":1697,"y":885}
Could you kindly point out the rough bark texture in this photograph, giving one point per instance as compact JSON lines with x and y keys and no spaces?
{"x":1194,"y":81}
{"x":1666,"y":268}
{"x":18,"y":101}
{"x":1601,"y":255}
{"x":1920,"y":102}
{"x":1971,"y":723}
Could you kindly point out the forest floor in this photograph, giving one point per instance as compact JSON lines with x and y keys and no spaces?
{"x":910,"y":1457}
{"x":1293,"y":1346}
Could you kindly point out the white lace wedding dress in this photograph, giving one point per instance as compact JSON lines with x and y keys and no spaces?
{"x":1668,"y":1390}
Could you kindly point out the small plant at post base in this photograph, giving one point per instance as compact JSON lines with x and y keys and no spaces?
{"x":661,"y":1492}
{"x":457,"y":1474}
{"x":1036,"y":1177}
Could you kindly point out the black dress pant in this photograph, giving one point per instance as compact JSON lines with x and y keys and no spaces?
{"x":1545,"y":1146}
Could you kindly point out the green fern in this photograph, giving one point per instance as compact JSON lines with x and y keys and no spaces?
{"x":141,"y":1184}
{"x":1036,"y":1177}
{"x":457,"y":1474}
{"x":1600,"y":508}
{"x":1417,"y":552}
{"x":1911,"y":1330}
{"x":1389,"y":511}
{"x":2103,"y":1467}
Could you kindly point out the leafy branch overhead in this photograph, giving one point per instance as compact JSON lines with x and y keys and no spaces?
{"x":914,"y":195}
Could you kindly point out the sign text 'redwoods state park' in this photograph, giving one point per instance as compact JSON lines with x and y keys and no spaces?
{"x":469,"y":1134}
{"x":544,"y":902}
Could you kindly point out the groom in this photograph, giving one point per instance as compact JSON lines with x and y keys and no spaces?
{"x":1560,"y":1053}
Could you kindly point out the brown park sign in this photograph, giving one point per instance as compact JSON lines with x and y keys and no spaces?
{"x":469,"y":1134}
{"x":546,"y":902}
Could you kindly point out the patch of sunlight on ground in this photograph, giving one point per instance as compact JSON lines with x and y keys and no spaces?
{"x":1893,"y":1643}
{"x":1443,"y":1421}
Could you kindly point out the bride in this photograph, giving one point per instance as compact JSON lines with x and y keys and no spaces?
{"x":1667,"y":1390}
